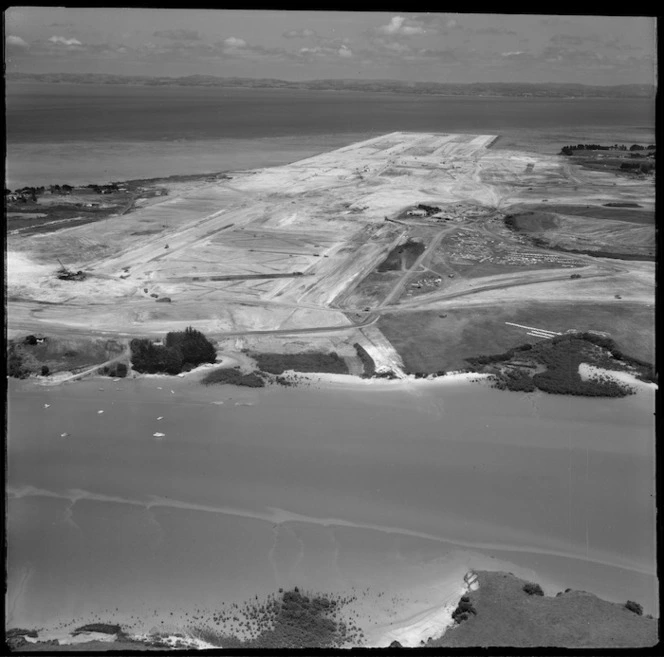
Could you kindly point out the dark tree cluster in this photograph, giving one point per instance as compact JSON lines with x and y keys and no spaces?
{"x":634,"y":607}
{"x":181,"y":350}
{"x":232,"y":376}
{"x":386,"y":374}
{"x":104,"y":189}
{"x":429,"y":209}
{"x":16,"y":364}
{"x":533,"y":589}
{"x":569,"y":150}
{"x":562,"y":356}
{"x":641,"y":167}
{"x":516,"y":380}
{"x":104,"y":628}
{"x":464,"y":610}
{"x":118,"y":370}
{"x":60,"y":189}
{"x":306,"y":361}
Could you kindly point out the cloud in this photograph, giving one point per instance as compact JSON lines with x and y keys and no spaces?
{"x":235,"y":42}
{"x":513,"y":53}
{"x":64,"y":41}
{"x":181,"y":34}
{"x":397,"y":26}
{"x":299,"y":33}
{"x":451,"y":23}
{"x":327,"y":51}
{"x":16,"y":41}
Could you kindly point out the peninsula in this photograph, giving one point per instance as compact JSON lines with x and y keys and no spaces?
{"x":407,"y":254}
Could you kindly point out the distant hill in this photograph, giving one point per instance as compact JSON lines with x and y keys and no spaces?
{"x":507,"y":616}
{"x":391,"y":86}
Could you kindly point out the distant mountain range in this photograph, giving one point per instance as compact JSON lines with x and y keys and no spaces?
{"x":391,"y":86}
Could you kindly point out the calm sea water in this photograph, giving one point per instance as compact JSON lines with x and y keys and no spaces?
{"x":318,"y":487}
{"x":97,"y":132}
{"x":60,"y":113}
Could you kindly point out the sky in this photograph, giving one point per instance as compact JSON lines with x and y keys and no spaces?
{"x":308,"y":45}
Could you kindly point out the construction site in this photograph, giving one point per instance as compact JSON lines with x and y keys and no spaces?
{"x":329,"y":251}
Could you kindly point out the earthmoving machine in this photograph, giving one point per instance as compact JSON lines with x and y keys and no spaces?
{"x":65,"y":274}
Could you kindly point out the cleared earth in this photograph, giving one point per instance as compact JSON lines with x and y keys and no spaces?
{"x":323,"y":248}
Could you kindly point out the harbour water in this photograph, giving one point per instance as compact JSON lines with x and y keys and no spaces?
{"x":59,"y":133}
{"x":387,"y":486}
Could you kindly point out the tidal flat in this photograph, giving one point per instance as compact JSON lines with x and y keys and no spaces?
{"x":390,"y":490}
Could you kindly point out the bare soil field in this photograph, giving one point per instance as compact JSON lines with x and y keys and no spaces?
{"x":298,"y":250}
{"x":566,"y":228}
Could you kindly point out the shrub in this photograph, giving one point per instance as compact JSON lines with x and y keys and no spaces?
{"x":634,"y":607}
{"x":464,"y":609}
{"x":44,"y":370}
{"x":195,"y":347}
{"x":533,"y":589}
{"x":232,"y":376}
{"x":16,"y":365}
{"x":308,"y":361}
{"x":189,"y":346}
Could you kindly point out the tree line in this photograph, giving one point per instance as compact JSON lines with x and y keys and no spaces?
{"x":181,"y":351}
{"x":569,"y":150}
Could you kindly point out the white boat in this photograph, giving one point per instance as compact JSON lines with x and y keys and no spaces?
{"x":161,"y":417}
{"x":99,"y":412}
{"x":46,"y":405}
{"x":64,"y":435}
{"x":158,"y":434}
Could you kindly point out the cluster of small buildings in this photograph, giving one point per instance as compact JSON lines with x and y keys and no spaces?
{"x":425,"y":283}
{"x":521,"y":258}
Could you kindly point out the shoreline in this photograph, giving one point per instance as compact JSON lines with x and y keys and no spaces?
{"x":334,"y":381}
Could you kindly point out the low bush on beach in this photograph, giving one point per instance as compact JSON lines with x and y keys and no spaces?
{"x":234,"y":377}
{"x":103,"y":628}
{"x":17,"y":631}
{"x":307,"y":361}
{"x":118,"y":370}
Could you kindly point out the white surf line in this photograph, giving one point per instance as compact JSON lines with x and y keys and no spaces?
{"x":540,"y":335}
{"x":279,"y":516}
{"x":533,"y":328}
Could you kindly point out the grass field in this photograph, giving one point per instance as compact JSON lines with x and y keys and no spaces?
{"x":507,"y":616}
{"x":596,"y":212}
{"x":428,"y":342}
{"x":64,"y":355}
